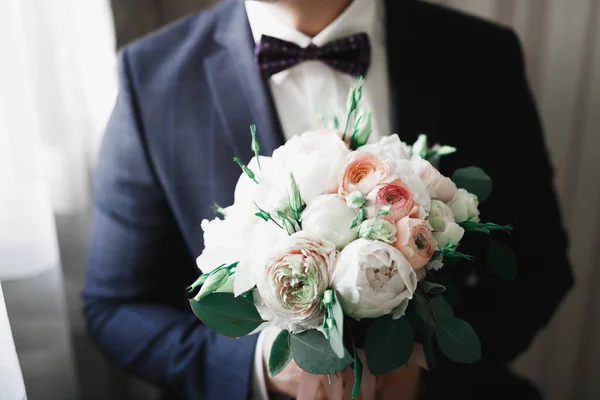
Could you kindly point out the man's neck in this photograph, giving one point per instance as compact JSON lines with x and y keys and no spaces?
{"x":310,"y":16}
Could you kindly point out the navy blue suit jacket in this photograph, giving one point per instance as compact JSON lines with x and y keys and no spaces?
{"x":188,"y":94}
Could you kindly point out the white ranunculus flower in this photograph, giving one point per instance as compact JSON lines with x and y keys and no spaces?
{"x":372,"y":279}
{"x":327,"y":216}
{"x":378,"y":229}
{"x":291,"y":280}
{"x":452,"y":233}
{"x":316,"y":158}
{"x":439,"y":215}
{"x":464,"y":206}
{"x":445,"y":229}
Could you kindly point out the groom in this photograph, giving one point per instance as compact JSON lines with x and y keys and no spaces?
{"x":188,"y":94}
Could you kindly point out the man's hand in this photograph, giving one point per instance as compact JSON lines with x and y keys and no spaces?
{"x":292,"y":381}
{"x":287,"y":382}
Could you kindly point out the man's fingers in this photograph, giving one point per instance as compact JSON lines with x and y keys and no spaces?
{"x":309,"y":386}
{"x":418,"y":357}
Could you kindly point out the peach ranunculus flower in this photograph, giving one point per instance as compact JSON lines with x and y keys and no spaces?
{"x":363,"y":172}
{"x":396,"y":194}
{"x":415,"y":241}
{"x":291,"y":280}
{"x":439,"y":186}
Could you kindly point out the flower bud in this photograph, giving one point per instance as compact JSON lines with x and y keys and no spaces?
{"x":420,"y":146}
{"x":214,"y":281}
{"x":362,"y":129}
{"x":355,"y":199}
{"x":378,"y":229}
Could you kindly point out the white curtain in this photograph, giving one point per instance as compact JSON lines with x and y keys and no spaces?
{"x":57,"y":87}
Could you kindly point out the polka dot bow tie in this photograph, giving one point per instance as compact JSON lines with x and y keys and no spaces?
{"x":350,"y":55}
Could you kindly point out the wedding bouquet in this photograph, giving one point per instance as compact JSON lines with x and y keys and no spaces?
{"x":336,"y":241}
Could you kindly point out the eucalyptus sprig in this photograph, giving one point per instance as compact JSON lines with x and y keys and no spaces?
{"x":212,"y":281}
{"x":484,"y":227}
{"x":449,"y":251}
{"x":360,"y":216}
{"x":255,"y":145}
{"x":352,"y":104}
{"x":246,"y":170}
{"x":218,"y":209}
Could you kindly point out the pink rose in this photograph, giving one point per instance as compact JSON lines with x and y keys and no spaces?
{"x":362,"y":173}
{"x":415,"y":242}
{"x":397,"y":194}
{"x":438,"y":186}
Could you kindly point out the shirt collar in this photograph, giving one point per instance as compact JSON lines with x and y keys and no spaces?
{"x":360,"y":16}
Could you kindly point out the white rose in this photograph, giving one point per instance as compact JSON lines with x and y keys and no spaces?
{"x":388,"y":148}
{"x":257,"y":242}
{"x":316,"y":158}
{"x":225,"y":240}
{"x":439,"y":215}
{"x":271,"y":191}
{"x":373,"y":279}
{"x":464,"y":206}
{"x":327,"y":216}
{"x":438,"y":186}
{"x":291,"y":280}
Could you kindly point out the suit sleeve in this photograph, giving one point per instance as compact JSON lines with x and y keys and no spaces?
{"x":518,"y":162}
{"x":138,"y":268}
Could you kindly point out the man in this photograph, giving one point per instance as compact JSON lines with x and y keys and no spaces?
{"x":188,"y":95}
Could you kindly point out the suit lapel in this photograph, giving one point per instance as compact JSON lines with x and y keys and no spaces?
{"x":240,"y":96}
{"x":413,"y":101}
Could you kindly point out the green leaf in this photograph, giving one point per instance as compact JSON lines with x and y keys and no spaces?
{"x":226,"y":314}
{"x":429,"y":353}
{"x":457,"y":340}
{"x":451,"y":293}
{"x":281,"y":354}
{"x":440,"y":307}
{"x":502,"y":261}
{"x":421,"y":320}
{"x":432,"y":288}
{"x":336,"y":335}
{"x":358,"y":368}
{"x":474,"y":180}
{"x":388,"y":345}
{"x":313,"y":353}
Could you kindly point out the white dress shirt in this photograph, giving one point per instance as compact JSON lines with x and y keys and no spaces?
{"x":309,"y":91}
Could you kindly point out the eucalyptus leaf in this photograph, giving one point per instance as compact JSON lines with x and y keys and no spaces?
{"x":431,"y":287}
{"x":421,"y":320}
{"x":474,"y":180}
{"x":457,"y":340}
{"x":451,"y":293}
{"x":388,"y":345}
{"x":502,"y":261}
{"x":281,"y":353}
{"x":313,"y":353}
{"x":440,"y":307}
{"x":226,"y":314}
{"x":358,"y":368}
